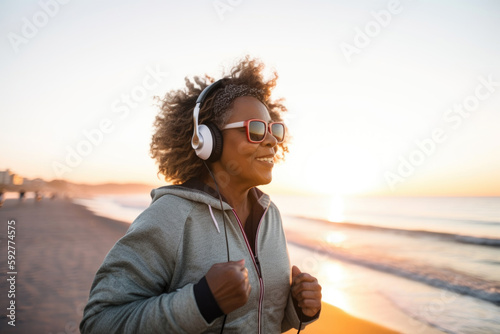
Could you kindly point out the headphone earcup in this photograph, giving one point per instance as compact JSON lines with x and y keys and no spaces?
{"x":217,"y":142}
{"x":211,"y":149}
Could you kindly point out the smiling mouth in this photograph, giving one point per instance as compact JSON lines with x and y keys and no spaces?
{"x":268,"y":160}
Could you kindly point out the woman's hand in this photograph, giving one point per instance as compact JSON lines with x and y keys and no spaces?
{"x":229,"y":284}
{"x":306,"y":291}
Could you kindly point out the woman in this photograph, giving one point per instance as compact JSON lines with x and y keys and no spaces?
{"x":209,"y":254}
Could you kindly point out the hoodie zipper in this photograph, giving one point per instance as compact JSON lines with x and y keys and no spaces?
{"x":261,"y":299}
{"x":256,"y":263}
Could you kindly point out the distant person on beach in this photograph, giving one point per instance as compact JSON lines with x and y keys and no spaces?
{"x":209,"y":255}
{"x":22,"y":194}
{"x":2,"y":198}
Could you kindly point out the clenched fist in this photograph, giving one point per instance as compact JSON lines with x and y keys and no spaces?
{"x":306,"y":291}
{"x":229,"y":284}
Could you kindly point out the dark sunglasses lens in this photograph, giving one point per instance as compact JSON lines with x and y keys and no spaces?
{"x":256,"y":130}
{"x":278,"y":131}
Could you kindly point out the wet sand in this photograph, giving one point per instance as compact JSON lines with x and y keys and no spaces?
{"x":335,"y":321}
{"x":59,"y":247}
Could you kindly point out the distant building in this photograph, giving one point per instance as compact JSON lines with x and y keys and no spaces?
{"x":9,"y":178}
{"x":5,"y":177}
{"x":17,"y":180}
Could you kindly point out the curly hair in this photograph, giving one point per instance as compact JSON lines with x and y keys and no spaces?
{"x":171,"y":141}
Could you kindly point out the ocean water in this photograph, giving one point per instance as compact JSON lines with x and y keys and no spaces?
{"x":417,"y":265}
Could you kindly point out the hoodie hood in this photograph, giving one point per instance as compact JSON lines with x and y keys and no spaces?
{"x":204,"y":197}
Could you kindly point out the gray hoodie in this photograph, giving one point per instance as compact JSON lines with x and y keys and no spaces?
{"x":145,"y":284}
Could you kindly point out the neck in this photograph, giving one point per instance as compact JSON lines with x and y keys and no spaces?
{"x":235,"y":193}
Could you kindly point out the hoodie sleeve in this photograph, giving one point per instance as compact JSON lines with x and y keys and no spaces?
{"x":129,"y":292}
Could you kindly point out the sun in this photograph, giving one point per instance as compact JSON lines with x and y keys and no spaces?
{"x":340,"y":173}
{"x":336,"y":209}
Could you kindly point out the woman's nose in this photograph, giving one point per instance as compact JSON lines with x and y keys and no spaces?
{"x":270,"y":140}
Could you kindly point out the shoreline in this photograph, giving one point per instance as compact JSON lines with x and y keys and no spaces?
{"x":59,"y":247}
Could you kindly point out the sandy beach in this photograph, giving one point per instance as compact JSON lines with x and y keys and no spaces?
{"x":59,"y":247}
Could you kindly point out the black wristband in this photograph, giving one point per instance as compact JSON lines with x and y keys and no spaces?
{"x":206,"y":302}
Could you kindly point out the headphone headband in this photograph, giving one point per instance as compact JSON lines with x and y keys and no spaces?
{"x":206,"y":92}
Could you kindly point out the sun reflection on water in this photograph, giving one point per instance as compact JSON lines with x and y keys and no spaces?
{"x":333,"y":277}
{"x":336,"y":238}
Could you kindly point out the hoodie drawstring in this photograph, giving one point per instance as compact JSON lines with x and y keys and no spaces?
{"x":213,"y":218}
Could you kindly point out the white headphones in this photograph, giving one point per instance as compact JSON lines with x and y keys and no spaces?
{"x":207,"y":138}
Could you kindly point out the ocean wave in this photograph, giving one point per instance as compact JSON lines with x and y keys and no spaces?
{"x":484,"y":222}
{"x":447,"y":218}
{"x":466,"y":239}
{"x":491,"y":262}
{"x":444,"y":278}
{"x":477,"y":241}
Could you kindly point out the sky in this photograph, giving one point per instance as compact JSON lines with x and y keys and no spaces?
{"x":384,"y":97}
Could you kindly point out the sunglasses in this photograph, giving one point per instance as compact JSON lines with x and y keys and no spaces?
{"x":257,"y":129}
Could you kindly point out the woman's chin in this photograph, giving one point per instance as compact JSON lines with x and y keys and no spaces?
{"x":265,"y":179}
